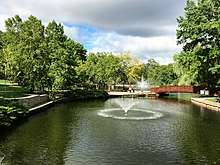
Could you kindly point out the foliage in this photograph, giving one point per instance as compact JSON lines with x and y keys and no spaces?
{"x":199,"y":32}
{"x":105,"y":69}
{"x":135,"y":71}
{"x":39,"y":58}
{"x":86,"y":94}
{"x":11,"y":110}
{"x":1,"y":56}
{"x":160,"y":75}
{"x":101,"y":68}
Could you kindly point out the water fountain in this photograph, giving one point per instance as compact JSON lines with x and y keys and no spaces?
{"x":143,"y":84}
{"x":126,"y":104}
{"x":128,"y":111}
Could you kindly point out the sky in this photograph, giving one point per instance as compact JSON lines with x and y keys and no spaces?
{"x":145,"y":28}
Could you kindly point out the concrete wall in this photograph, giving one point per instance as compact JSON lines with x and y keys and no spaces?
{"x":206,"y":104}
{"x":33,"y":101}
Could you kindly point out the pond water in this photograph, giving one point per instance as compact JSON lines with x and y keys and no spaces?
{"x":76,"y":133}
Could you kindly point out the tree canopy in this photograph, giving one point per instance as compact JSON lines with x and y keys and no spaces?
{"x":37,"y":57}
{"x":199,"y":33}
{"x":43,"y":58}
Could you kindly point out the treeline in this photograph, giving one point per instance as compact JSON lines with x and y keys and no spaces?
{"x":199,"y":33}
{"x":45,"y":59}
{"x":38,"y":57}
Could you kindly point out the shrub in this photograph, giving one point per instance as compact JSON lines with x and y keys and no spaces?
{"x":11,"y":110}
{"x":86,"y":94}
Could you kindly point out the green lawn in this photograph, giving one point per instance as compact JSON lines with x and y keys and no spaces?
{"x":11,"y":90}
{"x":2,"y":82}
{"x":213,"y":99}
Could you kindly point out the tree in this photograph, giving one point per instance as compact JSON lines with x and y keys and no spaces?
{"x":199,"y":32}
{"x":39,"y":58}
{"x":131,"y":68}
{"x":150,"y":67}
{"x":135,"y":71}
{"x":10,"y":50}
{"x":161,"y":75}
{"x":55,"y":39}
{"x":32,"y":54}
{"x":75,"y":54}
{"x":1,"y":56}
{"x":104,"y":69}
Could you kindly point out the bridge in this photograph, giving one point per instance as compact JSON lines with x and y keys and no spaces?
{"x":175,"y":89}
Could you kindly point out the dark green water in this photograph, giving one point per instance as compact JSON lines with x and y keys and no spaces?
{"x":74,"y":134}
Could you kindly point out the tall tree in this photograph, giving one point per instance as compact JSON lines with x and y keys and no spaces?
{"x":102,"y":68}
{"x":39,"y":58}
{"x":131,"y":68}
{"x":163,"y":75}
{"x":199,"y":32}
{"x":75,"y":53}
{"x":1,"y":56}
{"x":150,"y":68}
{"x":32,"y":54}
{"x":10,"y":50}
{"x":56,"y":39}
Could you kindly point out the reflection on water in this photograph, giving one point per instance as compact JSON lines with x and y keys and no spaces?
{"x":73,"y":133}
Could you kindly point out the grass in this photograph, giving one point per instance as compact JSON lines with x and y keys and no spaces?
{"x":2,"y":82}
{"x":212,"y":99}
{"x":11,"y":90}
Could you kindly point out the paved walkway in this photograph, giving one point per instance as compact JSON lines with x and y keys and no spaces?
{"x":206,"y":103}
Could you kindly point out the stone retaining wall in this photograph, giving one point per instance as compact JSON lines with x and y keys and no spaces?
{"x":206,"y":104}
{"x":33,"y":101}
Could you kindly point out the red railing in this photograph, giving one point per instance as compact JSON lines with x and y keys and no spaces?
{"x":181,"y":89}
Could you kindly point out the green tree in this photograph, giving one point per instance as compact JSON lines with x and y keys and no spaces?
{"x":150,"y":67}
{"x":56,"y":51}
{"x":161,"y":75}
{"x":101,"y":69}
{"x":131,"y":68}
{"x":10,"y":51}
{"x":1,"y":56}
{"x":23,"y":52}
{"x":165,"y":75}
{"x":199,"y":32}
{"x":39,"y":58}
{"x":75,"y":54}
{"x":32,"y":54}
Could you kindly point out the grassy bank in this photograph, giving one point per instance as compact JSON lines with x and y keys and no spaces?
{"x":12,"y":90}
{"x":212,"y":99}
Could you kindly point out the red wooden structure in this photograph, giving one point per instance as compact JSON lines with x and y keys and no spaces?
{"x":175,"y":89}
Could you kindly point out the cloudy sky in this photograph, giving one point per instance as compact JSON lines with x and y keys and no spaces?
{"x":146,"y":28}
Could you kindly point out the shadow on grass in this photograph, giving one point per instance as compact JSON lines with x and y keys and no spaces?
{"x":11,"y":91}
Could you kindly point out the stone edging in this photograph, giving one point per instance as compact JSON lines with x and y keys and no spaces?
{"x":41,"y":107}
{"x":45,"y":106}
{"x":206,"y":103}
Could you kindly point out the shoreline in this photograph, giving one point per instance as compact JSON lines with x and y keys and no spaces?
{"x":131,"y":94}
{"x":206,"y":103}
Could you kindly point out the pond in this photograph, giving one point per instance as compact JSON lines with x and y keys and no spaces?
{"x":76,"y":133}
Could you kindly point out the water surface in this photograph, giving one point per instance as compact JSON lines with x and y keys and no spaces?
{"x":74,"y":133}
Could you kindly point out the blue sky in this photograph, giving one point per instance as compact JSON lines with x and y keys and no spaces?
{"x":145,"y":28}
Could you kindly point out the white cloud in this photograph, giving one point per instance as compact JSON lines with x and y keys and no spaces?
{"x":160,"y":48}
{"x":145,"y":27}
{"x":72,"y":32}
{"x":3,"y":18}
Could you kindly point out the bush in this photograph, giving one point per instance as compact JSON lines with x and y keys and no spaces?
{"x":86,"y":94}
{"x":11,"y":110}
